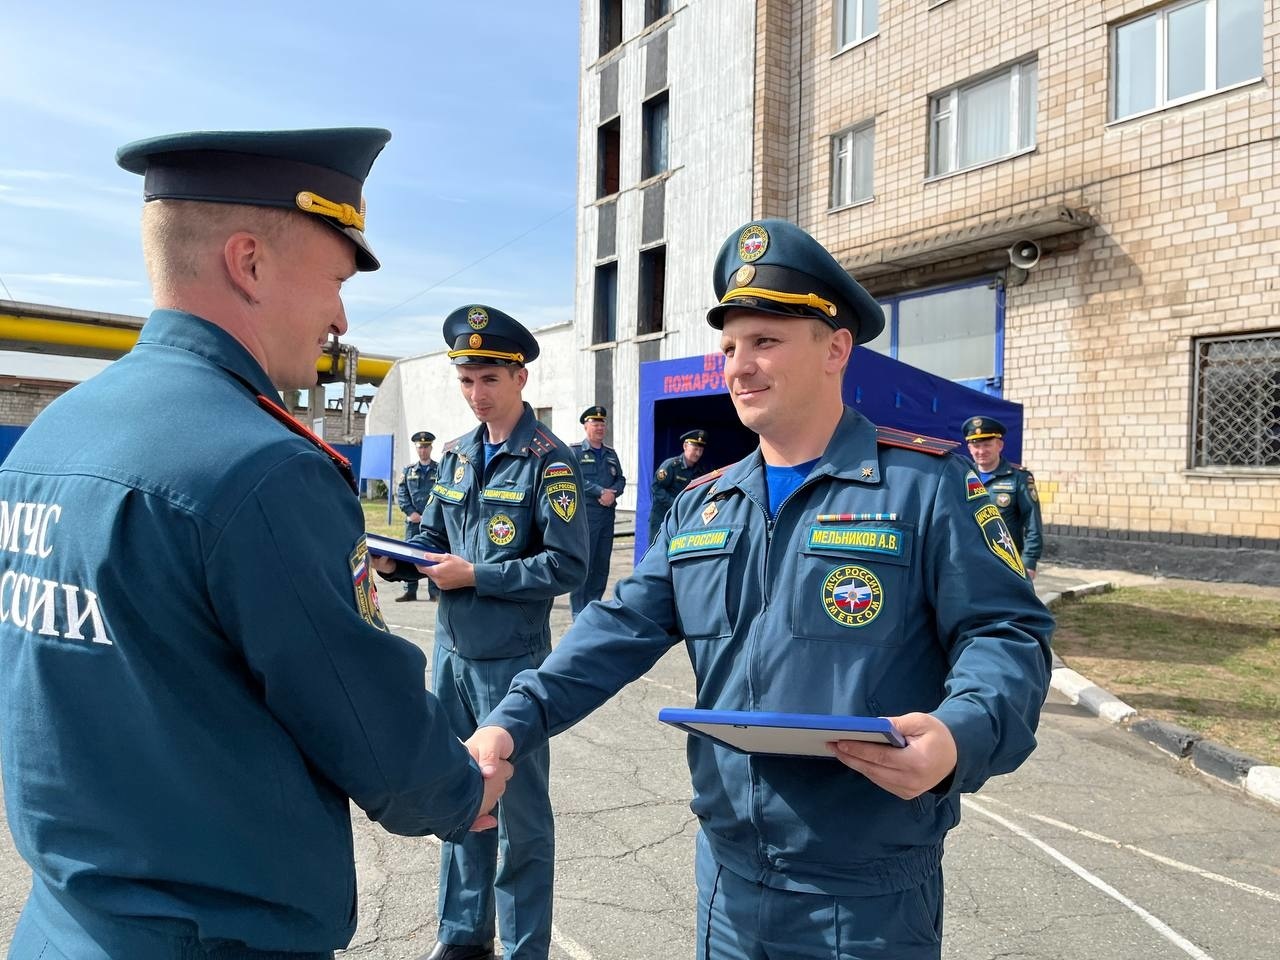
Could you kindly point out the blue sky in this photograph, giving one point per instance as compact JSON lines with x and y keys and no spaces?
{"x":481,"y":99}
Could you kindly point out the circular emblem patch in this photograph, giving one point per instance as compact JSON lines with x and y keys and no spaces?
{"x":459,"y":473}
{"x":746,"y":273}
{"x":1002,"y":499}
{"x":501,"y":529}
{"x":852,"y":596}
{"x":752,"y":243}
{"x":478,"y":318}
{"x":474,"y":341}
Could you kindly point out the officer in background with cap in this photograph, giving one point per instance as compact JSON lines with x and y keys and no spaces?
{"x":673,"y":475}
{"x":840,"y":568}
{"x":505,"y":526}
{"x":1011,"y":486}
{"x":203,"y":680}
{"x":602,"y":484}
{"x":416,"y":481}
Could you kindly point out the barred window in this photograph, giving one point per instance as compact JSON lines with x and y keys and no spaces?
{"x":1236,"y":418}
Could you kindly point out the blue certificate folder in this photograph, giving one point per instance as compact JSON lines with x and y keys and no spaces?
{"x":397,"y":550}
{"x":782,"y":734}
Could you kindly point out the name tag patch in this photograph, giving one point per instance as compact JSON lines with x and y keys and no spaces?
{"x":863,"y":540}
{"x":505,"y":495}
{"x":700,"y":541}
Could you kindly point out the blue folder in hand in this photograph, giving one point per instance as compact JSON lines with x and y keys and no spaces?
{"x":397,"y":550}
{"x":780,"y":734}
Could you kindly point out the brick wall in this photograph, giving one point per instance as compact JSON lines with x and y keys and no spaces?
{"x":22,"y":398}
{"x":1098,"y":340}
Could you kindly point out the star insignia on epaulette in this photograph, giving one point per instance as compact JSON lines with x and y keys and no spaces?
{"x":919,"y":440}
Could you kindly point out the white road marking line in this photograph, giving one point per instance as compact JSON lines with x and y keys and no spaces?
{"x":1162,"y":928}
{"x":397,"y":627}
{"x":1159,"y":858}
{"x":666,"y":686}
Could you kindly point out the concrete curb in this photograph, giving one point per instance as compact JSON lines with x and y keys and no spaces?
{"x":1213,"y":759}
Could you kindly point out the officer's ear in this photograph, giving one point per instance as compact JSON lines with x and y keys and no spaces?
{"x":521,"y":375}
{"x":839,"y":349}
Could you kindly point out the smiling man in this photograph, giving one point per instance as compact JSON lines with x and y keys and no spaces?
{"x":183,"y":735}
{"x":842,"y":569}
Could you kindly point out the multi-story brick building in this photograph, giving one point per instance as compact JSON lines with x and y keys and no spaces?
{"x":1122,"y":153}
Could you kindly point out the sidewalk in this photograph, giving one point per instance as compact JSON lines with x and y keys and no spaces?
{"x":1056,"y":583}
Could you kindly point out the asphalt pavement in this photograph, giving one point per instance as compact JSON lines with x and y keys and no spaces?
{"x":1100,"y":847}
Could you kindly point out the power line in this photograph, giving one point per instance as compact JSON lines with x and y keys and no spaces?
{"x":536,"y":226}
{"x":7,"y":294}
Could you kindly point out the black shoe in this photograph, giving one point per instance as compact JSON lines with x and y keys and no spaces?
{"x":406,"y":597}
{"x":459,"y":951}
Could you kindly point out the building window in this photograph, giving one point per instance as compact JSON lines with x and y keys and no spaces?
{"x":610,"y":25}
{"x":605,"y":326}
{"x":1236,"y":420}
{"x":985,"y":119}
{"x":653,"y":289}
{"x":544,"y":414}
{"x":656,"y":112}
{"x":1184,"y":51}
{"x":855,"y":21}
{"x":955,"y":332}
{"x":852,"y":165}
{"x":655,"y":10}
{"x":609,"y":153}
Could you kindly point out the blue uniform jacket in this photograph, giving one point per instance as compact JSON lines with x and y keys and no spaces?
{"x":885,"y":585}
{"x":196,"y":676}
{"x":601,"y":470}
{"x":416,"y":481}
{"x":521,"y":525}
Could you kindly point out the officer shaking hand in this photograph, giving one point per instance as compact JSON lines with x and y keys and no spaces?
{"x":841,"y":568}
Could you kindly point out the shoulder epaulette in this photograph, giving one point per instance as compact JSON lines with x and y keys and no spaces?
{"x":889,"y":437}
{"x":541,"y":443}
{"x":296,"y":426}
{"x":705,"y":478}
{"x":448,"y":447}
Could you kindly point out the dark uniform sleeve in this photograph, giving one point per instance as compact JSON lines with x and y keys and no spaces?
{"x":609,"y":645}
{"x":620,"y":482}
{"x":1029,"y":504}
{"x":295,"y":596}
{"x":590,"y":488}
{"x":663,"y":478}
{"x":995,"y":630}
{"x":402,"y":493}
{"x":559,"y":567}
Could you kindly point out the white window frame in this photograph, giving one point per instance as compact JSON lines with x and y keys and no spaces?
{"x":1161,"y":16}
{"x":944,"y":107}
{"x":846,"y":137}
{"x":857,"y":7}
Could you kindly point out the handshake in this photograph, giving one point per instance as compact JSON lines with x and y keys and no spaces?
{"x":491,"y":748}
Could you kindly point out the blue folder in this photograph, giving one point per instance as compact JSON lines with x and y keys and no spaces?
{"x":397,"y":550}
{"x":780,"y":734}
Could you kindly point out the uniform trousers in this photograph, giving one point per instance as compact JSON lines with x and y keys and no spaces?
{"x":510,"y":870}
{"x":739,"y":919}
{"x":600,"y":537}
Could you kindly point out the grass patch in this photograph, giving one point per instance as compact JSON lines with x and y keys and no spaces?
{"x":1209,"y":663}
{"x":375,"y":519}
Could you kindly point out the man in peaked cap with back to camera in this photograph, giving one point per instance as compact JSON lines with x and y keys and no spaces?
{"x":1011,"y":486}
{"x":602,"y":484}
{"x":505,"y":529}
{"x":416,"y":481}
{"x":673,"y":475}
{"x":841,"y":569}
{"x":203,"y":678}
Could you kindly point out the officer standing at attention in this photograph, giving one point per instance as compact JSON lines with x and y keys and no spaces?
{"x":840,"y":568}
{"x":602,"y":484}
{"x":1011,"y":486}
{"x":507,"y":537}
{"x":202,"y":678}
{"x":415,"y":485}
{"x":673,"y":476}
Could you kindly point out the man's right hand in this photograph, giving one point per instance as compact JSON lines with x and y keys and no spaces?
{"x":491,"y":746}
{"x":415,"y":517}
{"x":382,"y":564}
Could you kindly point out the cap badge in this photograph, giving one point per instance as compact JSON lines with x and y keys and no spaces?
{"x":474,"y":341}
{"x":478,"y":318}
{"x":752,"y":243}
{"x":746,"y":273}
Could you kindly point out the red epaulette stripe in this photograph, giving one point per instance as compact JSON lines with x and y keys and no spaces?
{"x":705,"y":478}
{"x":892,"y":437}
{"x":301,"y":429}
